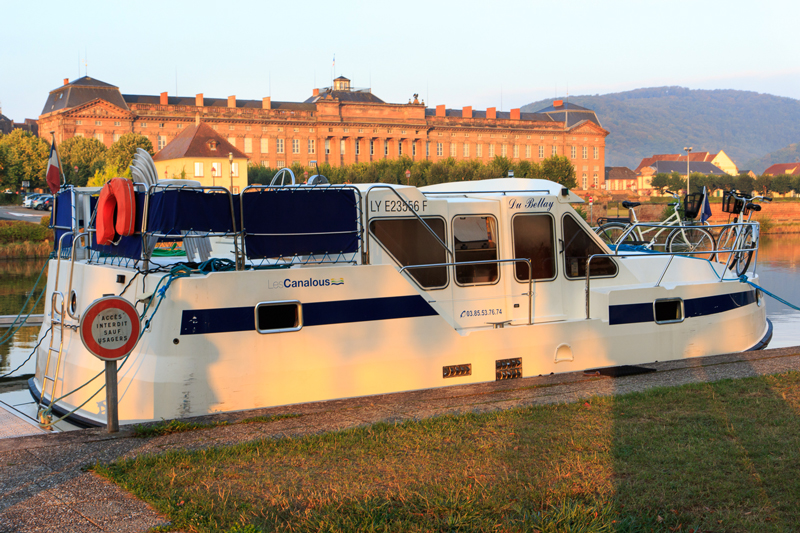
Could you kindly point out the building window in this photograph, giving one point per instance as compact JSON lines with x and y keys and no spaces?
{"x":116,"y":123}
{"x":541,"y":151}
{"x":312,"y":148}
{"x":503,"y":149}
{"x":585,"y":152}
{"x":295,"y":146}
{"x":341,"y":147}
{"x":179,"y":126}
{"x":247,"y":128}
{"x":160,"y":124}
{"x":144,"y":124}
{"x":427,"y":148}
{"x":479,"y":150}
{"x":162,"y":141}
{"x":198,"y":170}
{"x":358,"y":147}
{"x":466,"y":149}
{"x":413,"y":149}
{"x":452,"y":149}
{"x":371,"y":147}
{"x":235,"y":170}
{"x":248,"y":145}
{"x":555,"y":150}
{"x":116,"y":137}
{"x":386,"y":147}
{"x":596,"y":152}
{"x":98,"y":122}
{"x":399,"y":148}
{"x":585,"y":182}
{"x":573,"y":152}
{"x":516,"y":151}
{"x":327,"y":146}
{"x":78,"y":122}
{"x":280,"y":146}
{"x":264,"y":145}
{"x":99,"y":137}
{"x":595,"y":181}
{"x":281,"y":163}
{"x":232,"y":128}
{"x":491,"y":150}
{"x":439,"y":149}
{"x":79,"y":134}
{"x":216,"y":170}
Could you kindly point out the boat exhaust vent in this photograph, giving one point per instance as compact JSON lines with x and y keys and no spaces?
{"x":508,"y":368}
{"x":456,"y":371}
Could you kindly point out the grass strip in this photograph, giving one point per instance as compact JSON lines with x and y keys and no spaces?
{"x":708,"y":457}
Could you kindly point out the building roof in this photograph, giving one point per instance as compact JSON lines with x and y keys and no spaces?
{"x":779,"y":169}
{"x":353,"y":95}
{"x":195,"y":141}
{"x":82,"y":91}
{"x":702,"y":167}
{"x":693,"y":156}
{"x":620,"y":173}
{"x":214,"y":102}
{"x":6,"y":125}
{"x":502,"y":115}
{"x":570,"y":113}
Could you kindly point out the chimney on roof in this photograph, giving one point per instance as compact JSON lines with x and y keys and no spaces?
{"x":440,"y":111}
{"x":558,"y":103}
{"x":232,"y":101}
{"x":198,"y":100}
{"x":515,"y":114}
{"x":315,"y":92}
{"x":266,"y":103}
{"x":163,"y":100}
{"x":491,"y":112}
{"x":66,"y":81}
{"x":466,"y":112}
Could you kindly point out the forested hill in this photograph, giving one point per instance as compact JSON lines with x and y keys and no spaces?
{"x":662,"y":120}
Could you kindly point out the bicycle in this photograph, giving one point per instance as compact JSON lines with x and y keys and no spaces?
{"x":684,"y":238}
{"x":738,"y":242}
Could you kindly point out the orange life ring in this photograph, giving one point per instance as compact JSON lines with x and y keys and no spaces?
{"x":116,"y":211}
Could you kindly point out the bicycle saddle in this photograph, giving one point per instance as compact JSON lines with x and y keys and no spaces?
{"x":628,"y":205}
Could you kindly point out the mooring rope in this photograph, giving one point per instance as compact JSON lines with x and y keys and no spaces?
{"x":743,"y":279}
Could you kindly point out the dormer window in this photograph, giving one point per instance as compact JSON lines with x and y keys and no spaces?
{"x":212,"y":145}
{"x":341,"y":84}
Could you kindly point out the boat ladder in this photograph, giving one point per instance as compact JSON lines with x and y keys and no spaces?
{"x":56,"y":324}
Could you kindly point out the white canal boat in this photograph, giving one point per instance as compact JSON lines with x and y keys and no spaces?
{"x":305,"y":293}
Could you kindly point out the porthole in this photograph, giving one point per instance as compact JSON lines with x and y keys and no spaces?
{"x":759,"y":297}
{"x":73,"y":302}
{"x":279,"y":316}
{"x":668,"y":310}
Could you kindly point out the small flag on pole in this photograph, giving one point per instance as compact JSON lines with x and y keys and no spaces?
{"x":334,"y":60}
{"x":54,"y":170}
{"x":706,"y":212}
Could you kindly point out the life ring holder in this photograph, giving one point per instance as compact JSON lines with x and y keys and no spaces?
{"x":116,"y":211}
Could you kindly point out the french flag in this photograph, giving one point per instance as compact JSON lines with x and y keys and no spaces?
{"x":54,"y":170}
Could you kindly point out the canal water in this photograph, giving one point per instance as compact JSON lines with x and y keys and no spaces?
{"x":778,"y":266}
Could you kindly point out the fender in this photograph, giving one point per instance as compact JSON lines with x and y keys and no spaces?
{"x":116,"y":211}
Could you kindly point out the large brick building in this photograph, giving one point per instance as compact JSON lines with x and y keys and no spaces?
{"x":338,"y":125}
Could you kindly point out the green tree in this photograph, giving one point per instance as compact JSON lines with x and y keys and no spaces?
{"x":105,"y":174}
{"x":763,"y":184}
{"x":744,"y":183}
{"x":121,"y":153}
{"x":782,"y":184}
{"x":558,"y":168}
{"x":84,"y":153}
{"x":25,"y":158}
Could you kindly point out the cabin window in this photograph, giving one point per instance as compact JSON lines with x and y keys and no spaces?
{"x":668,"y":311}
{"x":410,"y":243}
{"x":534,"y":239}
{"x":277,"y":317}
{"x":475,"y":239}
{"x":578,"y":247}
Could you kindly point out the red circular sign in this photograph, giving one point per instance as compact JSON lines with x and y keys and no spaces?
{"x":110,"y":328}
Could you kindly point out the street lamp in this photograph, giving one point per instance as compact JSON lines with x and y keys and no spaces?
{"x":230,"y":160}
{"x":688,"y":150}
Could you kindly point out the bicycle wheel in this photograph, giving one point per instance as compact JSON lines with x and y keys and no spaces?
{"x":696,"y":240}
{"x":726,"y":242}
{"x":610,"y":233}
{"x":747,"y":246}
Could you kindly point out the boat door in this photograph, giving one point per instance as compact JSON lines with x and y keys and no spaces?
{"x":477,"y":288}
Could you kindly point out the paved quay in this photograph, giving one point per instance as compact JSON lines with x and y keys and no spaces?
{"x":43,"y":485}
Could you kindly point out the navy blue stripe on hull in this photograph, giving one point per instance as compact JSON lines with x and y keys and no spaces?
{"x":230,"y":319}
{"x":693,"y":307}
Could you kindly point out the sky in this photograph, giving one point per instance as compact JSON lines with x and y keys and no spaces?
{"x":498,"y":53}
